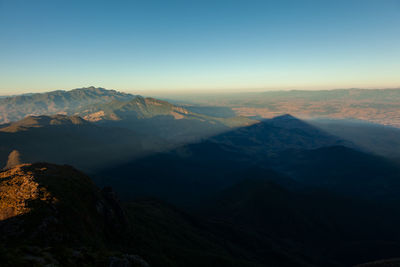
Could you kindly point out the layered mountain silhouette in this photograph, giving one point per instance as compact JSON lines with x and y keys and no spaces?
{"x":83,"y":109}
{"x":149,"y":115}
{"x":139,"y":108}
{"x":42,"y":121}
{"x":73,"y":140}
{"x":198,"y":187}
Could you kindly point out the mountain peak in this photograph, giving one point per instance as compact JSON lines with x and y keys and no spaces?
{"x":14,"y":159}
{"x":276,"y":134}
{"x":286,"y":116}
{"x":93,"y":89}
{"x":288,"y":121}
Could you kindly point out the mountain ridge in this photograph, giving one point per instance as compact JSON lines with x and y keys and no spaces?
{"x":145,"y":114}
{"x":144,"y":107}
{"x":61,"y":215}
{"x":66,"y":102}
{"x":72,"y":140}
{"x":42,"y":121}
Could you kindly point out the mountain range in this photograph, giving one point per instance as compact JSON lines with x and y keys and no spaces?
{"x":172,"y":122}
{"x":66,"y":102}
{"x":146,"y":116}
{"x":104,"y":126}
{"x":162,"y":184}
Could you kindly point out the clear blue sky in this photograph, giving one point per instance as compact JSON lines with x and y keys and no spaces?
{"x":198,"y":45}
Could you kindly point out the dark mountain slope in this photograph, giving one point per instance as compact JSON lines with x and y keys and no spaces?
{"x":376,"y":138}
{"x":17,"y":107}
{"x":247,"y":206}
{"x":345,"y":230}
{"x":51,"y":214}
{"x":41,"y":121}
{"x":187,"y":240}
{"x":72,"y":140}
{"x":59,"y":195}
{"x":341,"y":169}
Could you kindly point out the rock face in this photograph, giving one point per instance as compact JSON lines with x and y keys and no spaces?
{"x":46,"y":203}
{"x":58,"y":201}
{"x":53,"y":215}
{"x":17,"y":190}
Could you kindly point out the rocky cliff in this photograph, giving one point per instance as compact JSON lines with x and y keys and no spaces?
{"x":52,"y":214}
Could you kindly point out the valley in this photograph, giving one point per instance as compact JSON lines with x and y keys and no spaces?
{"x":379,"y":106}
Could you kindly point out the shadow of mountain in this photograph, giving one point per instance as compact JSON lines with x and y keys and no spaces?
{"x":85,"y":146}
{"x":196,"y":171}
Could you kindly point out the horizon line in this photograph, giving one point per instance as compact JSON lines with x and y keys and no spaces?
{"x":206,"y":91}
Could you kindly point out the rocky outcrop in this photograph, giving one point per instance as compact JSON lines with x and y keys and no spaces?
{"x":55,"y":215}
{"x":14,"y":159}
{"x":46,"y":197}
{"x":17,"y":189}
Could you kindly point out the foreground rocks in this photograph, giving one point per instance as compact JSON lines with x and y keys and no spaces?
{"x":52,"y":215}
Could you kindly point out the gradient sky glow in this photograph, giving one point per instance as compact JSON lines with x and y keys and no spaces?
{"x":194,"y":45}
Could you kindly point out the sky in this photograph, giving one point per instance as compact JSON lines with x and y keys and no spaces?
{"x":189,"y":46}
